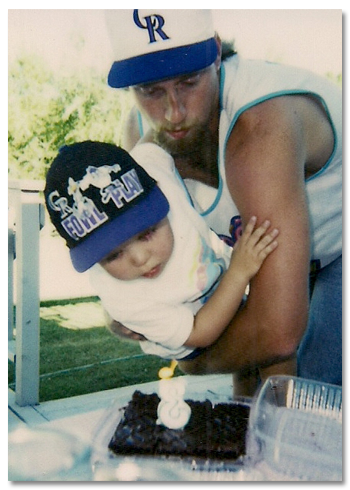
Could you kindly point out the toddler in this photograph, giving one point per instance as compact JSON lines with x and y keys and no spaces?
{"x":158,"y":268}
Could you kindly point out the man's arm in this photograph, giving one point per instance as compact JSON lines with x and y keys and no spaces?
{"x":265,"y":159}
{"x":265,"y":174}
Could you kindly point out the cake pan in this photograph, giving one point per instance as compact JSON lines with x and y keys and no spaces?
{"x":295,"y":426}
{"x":108,"y":466}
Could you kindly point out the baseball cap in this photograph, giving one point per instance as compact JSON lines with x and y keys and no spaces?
{"x":154,"y":44}
{"x":98,"y":197}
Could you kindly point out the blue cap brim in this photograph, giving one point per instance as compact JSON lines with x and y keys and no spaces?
{"x":163,"y":64}
{"x":152,"y":209}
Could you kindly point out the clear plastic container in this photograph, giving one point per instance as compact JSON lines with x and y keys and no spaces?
{"x":295,"y":426}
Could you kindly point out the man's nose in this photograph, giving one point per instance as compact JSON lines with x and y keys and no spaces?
{"x":175,"y":111}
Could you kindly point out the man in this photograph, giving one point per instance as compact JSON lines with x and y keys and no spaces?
{"x":249,"y":138}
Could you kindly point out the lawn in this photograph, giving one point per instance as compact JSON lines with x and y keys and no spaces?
{"x":76,"y":360}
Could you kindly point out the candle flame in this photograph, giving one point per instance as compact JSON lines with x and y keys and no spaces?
{"x":168,"y":372}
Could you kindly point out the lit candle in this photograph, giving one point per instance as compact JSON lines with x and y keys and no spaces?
{"x":173,"y":411}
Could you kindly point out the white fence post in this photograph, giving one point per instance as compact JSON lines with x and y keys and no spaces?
{"x":10,"y":259}
{"x":28,"y":221}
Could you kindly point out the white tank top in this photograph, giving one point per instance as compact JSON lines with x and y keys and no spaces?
{"x":246,"y":83}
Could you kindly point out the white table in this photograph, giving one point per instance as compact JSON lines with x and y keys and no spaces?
{"x":80,"y":418}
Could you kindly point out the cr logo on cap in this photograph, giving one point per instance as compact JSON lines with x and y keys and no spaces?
{"x":154,"y":24}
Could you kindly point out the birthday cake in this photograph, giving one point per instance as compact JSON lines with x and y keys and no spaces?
{"x":214,"y":431}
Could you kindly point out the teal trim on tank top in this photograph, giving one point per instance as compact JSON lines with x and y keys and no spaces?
{"x":279,"y":94}
{"x":184,"y":187}
{"x":220,"y":188}
{"x":139,"y":122}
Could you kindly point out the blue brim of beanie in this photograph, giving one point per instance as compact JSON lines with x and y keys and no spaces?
{"x":163,"y":64}
{"x":152,"y":209}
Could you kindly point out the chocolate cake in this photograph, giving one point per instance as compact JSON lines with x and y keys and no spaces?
{"x":213,"y":431}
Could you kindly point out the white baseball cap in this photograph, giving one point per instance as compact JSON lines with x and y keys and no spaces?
{"x":154,"y":44}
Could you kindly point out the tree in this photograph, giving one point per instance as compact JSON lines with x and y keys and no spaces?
{"x":48,"y":110}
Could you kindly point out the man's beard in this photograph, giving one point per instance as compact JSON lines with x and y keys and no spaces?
{"x":185,"y":147}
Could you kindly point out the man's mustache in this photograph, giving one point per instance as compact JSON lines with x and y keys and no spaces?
{"x":173,"y":129}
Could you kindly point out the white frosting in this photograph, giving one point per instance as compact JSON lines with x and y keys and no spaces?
{"x":173,"y":411}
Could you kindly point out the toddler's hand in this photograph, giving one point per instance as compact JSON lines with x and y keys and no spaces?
{"x":253,"y":247}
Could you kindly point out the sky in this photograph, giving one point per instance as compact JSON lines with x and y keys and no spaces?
{"x":309,"y":38}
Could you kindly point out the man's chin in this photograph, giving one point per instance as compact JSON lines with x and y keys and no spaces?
{"x":179,"y":147}
{"x":174,"y":147}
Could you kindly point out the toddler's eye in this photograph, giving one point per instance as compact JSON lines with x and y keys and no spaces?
{"x":147,"y":235}
{"x":116,"y":254}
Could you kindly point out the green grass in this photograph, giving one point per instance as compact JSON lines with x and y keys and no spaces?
{"x":79,"y":361}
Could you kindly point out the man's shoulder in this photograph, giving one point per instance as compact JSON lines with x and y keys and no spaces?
{"x":131,"y":129}
{"x":267,"y":115}
{"x":270,"y":128}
